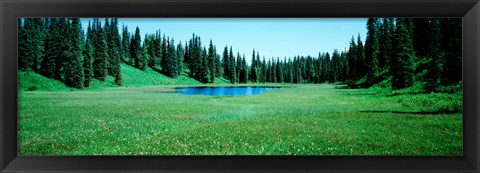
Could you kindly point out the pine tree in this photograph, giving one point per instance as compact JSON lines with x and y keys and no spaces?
{"x":225,"y":63}
{"x":197,"y":59}
{"x":52,"y":49}
{"x":268,"y":73}
{"x":452,"y":45}
{"x":372,"y":49}
{"x":25,"y":57}
{"x":239,"y":67}
{"x":171,"y":63}
{"x":112,"y":53}
{"x":361,"y":64}
{"x":274,"y":70}
{"x":31,"y":44}
{"x":231,"y":67}
{"x":289,"y":70}
{"x":421,"y":36}
{"x":253,"y":69}
{"x":257,"y":65}
{"x":180,"y":58}
{"x":66,"y":54}
{"x":113,"y":42}
{"x":38,"y":35}
{"x":186,"y":57}
{"x":318,"y":68}
{"x":328,"y":68}
{"x":352,"y":60}
{"x":158,"y":49}
{"x":164,"y":59}
{"x":334,"y":66}
{"x":88,"y":58}
{"x":204,"y":70}
{"x":144,"y":56}
{"x":72,"y":56}
{"x":386,"y":42}
{"x":401,"y":63}
{"x":279,"y":71}
{"x":218,"y":65}
{"x":149,"y":42}
{"x":136,"y":50}
{"x":100,"y":68}
{"x":435,"y":56}
{"x":126,"y":46}
{"x":211,"y":62}
{"x":244,"y":74}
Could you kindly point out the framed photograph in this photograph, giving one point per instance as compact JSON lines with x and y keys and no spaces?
{"x":239,"y":86}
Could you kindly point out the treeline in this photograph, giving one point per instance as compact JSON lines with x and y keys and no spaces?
{"x":53,"y":48}
{"x":57,"y":48}
{"x":405,"y":51}
{"x":402,"y":51}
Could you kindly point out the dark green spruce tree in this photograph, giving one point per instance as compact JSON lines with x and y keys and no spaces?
{"x":53,"y":43}
{"x":149,"y":42}
{"x":225,"y":63}
{"x":239,"y":67}
{"x":180,"y":58}
{"x":25,"y":46}
{"x":218,"y":65}
{"x":352,"y":60}
{"x":244,"y":73}
{"x":171,"y":62}
{"x":372,"y":50}
{"x":114,"y":47}
{"x":126,"y":46}
{"x":204,"y":76}
{"x":280,"y":70}
{"x":100,"y":62}
{"x":434,"y":56}
{"x":231,"y":67}
{"x":31,"y":44}
{"x":386,"y":42}
{"x":211,"y":62}
{"x":452,"y":46}
{"x":158,"y":49}
{"x":401,"y":64}
{"x":360,"y":59}
{"x":72,"y":63}
{"x":136,"y":51}
{"x":253,"y":68}
{"x":88,"y":57}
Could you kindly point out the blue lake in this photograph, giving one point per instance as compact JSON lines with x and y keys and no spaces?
{"x":224,"y":91}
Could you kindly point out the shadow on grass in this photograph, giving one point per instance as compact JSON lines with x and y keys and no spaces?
{"x":156,"y":70}
{"x":361,"y":94}
{"x":416,"y":113}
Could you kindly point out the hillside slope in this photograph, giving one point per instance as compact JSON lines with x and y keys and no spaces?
{"x":131,"y":77}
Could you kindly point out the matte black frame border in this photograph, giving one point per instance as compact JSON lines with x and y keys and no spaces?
{"x":11,"y":9}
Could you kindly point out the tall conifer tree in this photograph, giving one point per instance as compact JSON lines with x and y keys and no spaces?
{"x":372,"y":48}
{"x":435,"y":56}
{"x":452,"y":45}
{"x":72,"y":55}
{"x":401,"y":63}
{"x":88,"y":58}
{"x":211,"y":62}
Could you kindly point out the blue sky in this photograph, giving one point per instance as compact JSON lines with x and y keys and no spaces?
{"x":272,"y":37}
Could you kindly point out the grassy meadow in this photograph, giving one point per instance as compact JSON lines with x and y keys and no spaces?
{"x":305,"y":119}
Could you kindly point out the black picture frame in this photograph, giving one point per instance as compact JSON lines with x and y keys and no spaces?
{"x":10,"y":10}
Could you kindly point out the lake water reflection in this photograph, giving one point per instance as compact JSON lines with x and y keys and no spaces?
{"x":224,"y":91}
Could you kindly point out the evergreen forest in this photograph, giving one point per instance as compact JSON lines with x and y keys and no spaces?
{"x":397,"y":53}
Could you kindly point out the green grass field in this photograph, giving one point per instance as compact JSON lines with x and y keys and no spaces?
{"x":295,"y":120}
